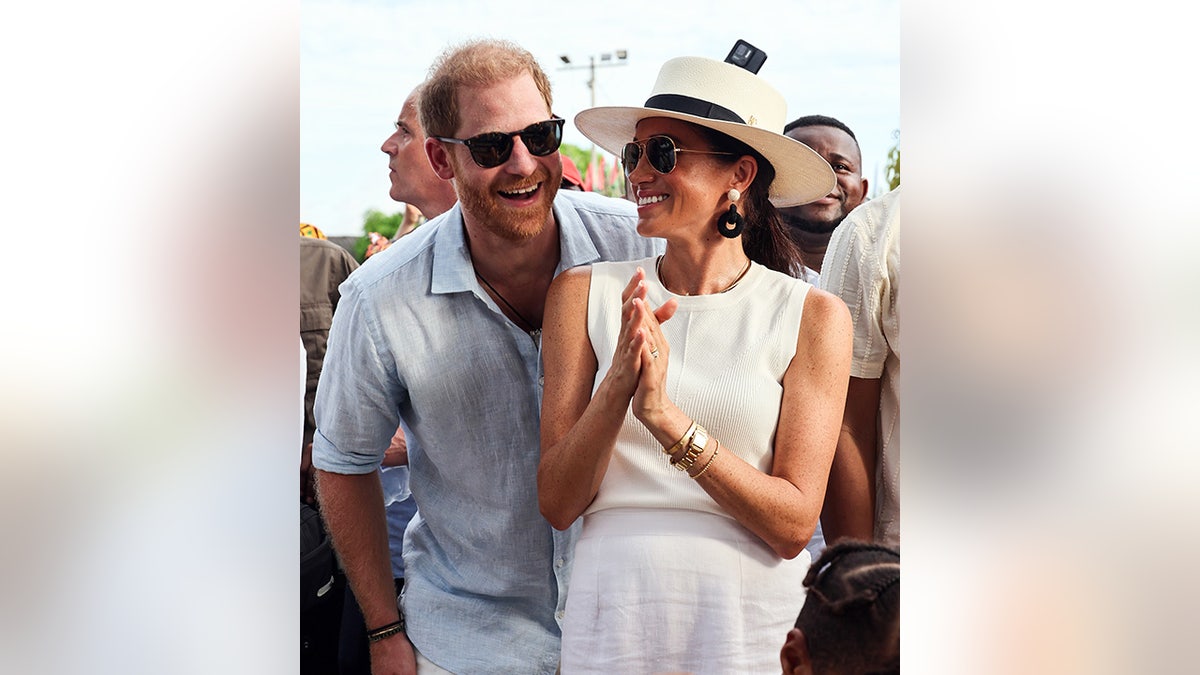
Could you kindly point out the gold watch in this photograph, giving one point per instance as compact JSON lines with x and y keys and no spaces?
{"x":695,"y":447}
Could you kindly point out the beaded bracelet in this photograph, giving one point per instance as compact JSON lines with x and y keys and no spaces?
{"x":386,"y":631}
{"x":709,"y":462}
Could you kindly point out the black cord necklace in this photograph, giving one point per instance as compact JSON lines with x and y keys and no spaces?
{"x":508,"y":304}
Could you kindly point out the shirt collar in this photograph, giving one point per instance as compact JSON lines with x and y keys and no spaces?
{"x":575,"y":245}
{"x":452,"y":268}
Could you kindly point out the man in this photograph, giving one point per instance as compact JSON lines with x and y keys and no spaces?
{"x":862,"y":500}
{"x":423,"y":192}
{"x":323,"y":267}
{"x":442,"y":330}
{"x":812,"y":224}
{"x":413,"y":180}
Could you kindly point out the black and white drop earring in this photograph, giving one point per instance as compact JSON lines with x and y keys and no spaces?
{"x":731,"y":223}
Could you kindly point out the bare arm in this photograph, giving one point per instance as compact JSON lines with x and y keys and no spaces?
{"x":579,"y":431}
{"x":782,"y":507}
{"x":397,"y":452}
{"x":352,"y":506}
{"x":850,"y":499}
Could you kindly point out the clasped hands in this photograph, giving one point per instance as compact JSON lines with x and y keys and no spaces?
{"x":640,"y":359}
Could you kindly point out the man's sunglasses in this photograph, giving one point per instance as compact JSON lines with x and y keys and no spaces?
{"x":495,"y":147}
{"x":660,"y":151}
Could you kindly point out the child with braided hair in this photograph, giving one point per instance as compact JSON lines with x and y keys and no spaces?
{"x":850,"y":622}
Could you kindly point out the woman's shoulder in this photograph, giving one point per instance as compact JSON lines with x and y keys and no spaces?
{"x":573,"y":278}
{"x":827,"y":315}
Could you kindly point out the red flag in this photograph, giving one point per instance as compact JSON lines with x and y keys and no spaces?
{"x":589,"y":176}
{"x":599,"y":184}
{"x":614,"y":175}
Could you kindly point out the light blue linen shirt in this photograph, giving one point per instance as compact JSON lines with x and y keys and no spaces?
{"x":416,"y":336}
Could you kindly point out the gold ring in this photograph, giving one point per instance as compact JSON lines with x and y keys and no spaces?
{"x":654,"y":352}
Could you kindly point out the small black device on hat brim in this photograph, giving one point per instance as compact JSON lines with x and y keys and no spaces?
{"x":746,"y":55}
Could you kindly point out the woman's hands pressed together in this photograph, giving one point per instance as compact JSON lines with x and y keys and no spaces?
{"x":642,"y":350}
{"x":579,"y":427}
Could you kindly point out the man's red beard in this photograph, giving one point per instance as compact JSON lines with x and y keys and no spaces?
{"x":492,"y":212}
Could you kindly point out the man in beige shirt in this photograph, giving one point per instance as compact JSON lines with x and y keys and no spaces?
{"x":862,"y":266}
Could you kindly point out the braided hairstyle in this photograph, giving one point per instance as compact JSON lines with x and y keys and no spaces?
{"x":765,"y":239}
{"x":851,"y":617}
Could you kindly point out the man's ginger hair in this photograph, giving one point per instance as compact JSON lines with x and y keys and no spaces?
{"x":476,"y":63}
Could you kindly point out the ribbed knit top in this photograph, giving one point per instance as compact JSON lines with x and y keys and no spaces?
{"x":729,"y":352}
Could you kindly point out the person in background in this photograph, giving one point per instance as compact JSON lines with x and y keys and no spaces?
{"x":413,"y":182}
{"x":863,"y":268}
{"x":692,"y":400}
{"x":572,"y":179}
{"x":442,"y":331}
{"x":323,"y":267}
{"x":812,"y":224}
{"x":850,"y":622}
{"x":311,"y":231}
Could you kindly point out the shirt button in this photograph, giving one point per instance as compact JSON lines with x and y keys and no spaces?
{"x":559,"y":562}
{"x":558,"y":615}
{"x":541,"y":381}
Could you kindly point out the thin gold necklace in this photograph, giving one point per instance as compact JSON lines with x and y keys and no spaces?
{"x":658,"y":271}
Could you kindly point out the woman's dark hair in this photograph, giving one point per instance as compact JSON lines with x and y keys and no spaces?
{"x":765,"y":239}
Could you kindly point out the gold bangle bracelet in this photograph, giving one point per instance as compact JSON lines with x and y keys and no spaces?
{"x":687,"y":436}
{"x":710,"y":460}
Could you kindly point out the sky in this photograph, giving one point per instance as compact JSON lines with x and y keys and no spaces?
{"x":360,"y":58}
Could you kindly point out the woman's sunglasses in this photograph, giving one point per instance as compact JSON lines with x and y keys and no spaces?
{"x":495,"y":147}
{"x":660,"y":151}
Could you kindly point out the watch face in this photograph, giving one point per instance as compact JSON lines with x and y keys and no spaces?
{"x":695,"y":448}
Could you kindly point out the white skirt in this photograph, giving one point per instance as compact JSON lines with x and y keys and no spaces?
{"x":671,"y":591}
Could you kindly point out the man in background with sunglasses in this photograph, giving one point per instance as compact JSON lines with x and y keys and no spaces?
{"x":442,"y":331}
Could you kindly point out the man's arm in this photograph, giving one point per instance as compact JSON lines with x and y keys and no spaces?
{"x":397,"y":452}
{"x":849,"y":509}
{"x":352,"y":506}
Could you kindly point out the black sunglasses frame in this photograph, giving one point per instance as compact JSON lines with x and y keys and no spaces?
{"x":660,"y":152}
{"x":493,"y":148}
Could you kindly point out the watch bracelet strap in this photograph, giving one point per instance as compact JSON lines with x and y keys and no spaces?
{"x":694,"y":450}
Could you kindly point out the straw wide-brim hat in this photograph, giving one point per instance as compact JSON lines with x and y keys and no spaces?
{"x":731,"y":100}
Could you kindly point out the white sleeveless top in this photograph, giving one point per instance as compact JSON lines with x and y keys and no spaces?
{"x":729,"y":352}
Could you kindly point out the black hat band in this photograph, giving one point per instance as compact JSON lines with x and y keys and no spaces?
{"x":693,"y":106}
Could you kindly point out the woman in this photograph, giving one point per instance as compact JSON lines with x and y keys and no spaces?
{"x":709,"y":359}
